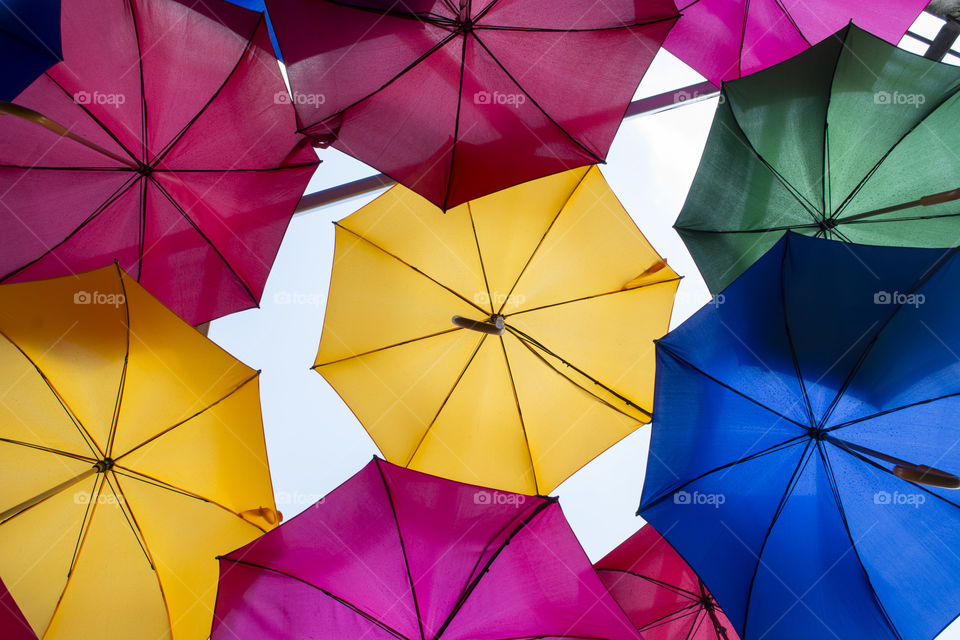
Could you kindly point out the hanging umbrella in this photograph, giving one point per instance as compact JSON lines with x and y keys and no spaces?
{"x":394,"y":553}
{"x":181,"y":161}
{"x":660,"y":593}
{"x":131,"y":454}
{"x":852,"y":140}
{"x":29,"y":42}
{"x":456,"y":101}
{"x":13,"y":626}
{"x":805,"y":445}
{"x":725,"y":39}
{"x":504,"y":343}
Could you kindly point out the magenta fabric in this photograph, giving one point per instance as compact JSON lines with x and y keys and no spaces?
{"x":394,"y":554}
{"x":726,"y":39}
{"x":661,"y":594}
{"x":456,"y":104}
{"x":13,"y":626}
{"x":209,"y":165}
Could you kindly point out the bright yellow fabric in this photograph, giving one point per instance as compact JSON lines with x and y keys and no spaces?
{"x":129,"y":553}
{"x":578,"y":285}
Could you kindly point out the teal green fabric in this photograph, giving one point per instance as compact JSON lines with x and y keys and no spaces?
{"x":818,"y":144}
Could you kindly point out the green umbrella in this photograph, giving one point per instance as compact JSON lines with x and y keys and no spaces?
{"x":853,"y":140}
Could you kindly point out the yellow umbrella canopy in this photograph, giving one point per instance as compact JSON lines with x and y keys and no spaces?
{"x":505,"y":343}
{"x":131,"y":454}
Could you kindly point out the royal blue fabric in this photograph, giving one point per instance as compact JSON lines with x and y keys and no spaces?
{"x":29,"y":42}
{"x":796,"y":535}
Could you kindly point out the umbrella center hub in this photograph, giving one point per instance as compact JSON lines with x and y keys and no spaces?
{"x":104,"y":465}
{"x":827,"y":223}
{"x":465,"y":24}
{"x":144,"y":170}
{"x":707,"y":602}
{"x":816,"y":433}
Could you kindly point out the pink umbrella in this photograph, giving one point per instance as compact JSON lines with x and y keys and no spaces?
{"x":662,"y":595}
{"x":726,"y":39}
{"x":456,"y":99}
{"x":164,"y":141}
{"x":394,"y":553}
{"x":13,"y":626}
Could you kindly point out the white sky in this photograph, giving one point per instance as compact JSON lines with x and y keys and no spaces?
{"x":314,"y":441}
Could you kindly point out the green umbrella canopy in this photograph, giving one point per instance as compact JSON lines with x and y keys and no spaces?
{"x":854,"y":140}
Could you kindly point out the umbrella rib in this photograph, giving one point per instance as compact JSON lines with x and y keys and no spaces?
{"x":121,"y":190}
{"x":594,"y":296}
{"x":407,"y":264}
{"x":523,"y":426}
{"x":84,"y":434}
{"x":546,"y":231}
{"x":142,"y":224}
{"x":879,"y":414}
{"x":357,"y":610}
{"x":660,"y":583}
{"x":532,"y":346}
{"x":456,"y":127}
{"x":472,"y":585}
{"x":403,"y":547}
{"x":764,"y":230}
{"x":88,"y":169}
{"x":85,"y":522}
{"x":427,"y":16}
{"x":131,"y":520}
{"x":672,"y":616}
{"x":483,"y":269}
{"x":38,"y":447}
{"x":286,"y":167}
{"x":143,"y":96}
{"x":718,"y":628}
{"x":196,"y":228}
{"x":589,"y":152}
{"x":793,"y":23}
{"x":743,"y":37}
{"x":189,"y":418}
{"x":695,"y":626}
{"x":177,"y":137}
{"x":618,"y":27}
{"x":827,"y":185}
{"x":791,"y":485}
{"x":786,"y":328}
{"x":445,"y":399}
{"x":123,"y":372}
{"x":390,"y":346}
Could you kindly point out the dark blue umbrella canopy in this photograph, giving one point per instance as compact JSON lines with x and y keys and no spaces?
{"x":29,"y":42}
{"x":803,"y":421}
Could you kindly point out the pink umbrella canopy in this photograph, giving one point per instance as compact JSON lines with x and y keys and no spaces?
{"x":661,"y":594}
{"x":395,"y":553}
{"x":13,"y":626}
{"x":164,"y":141}
{"x":726,"y":39}
{"x":456,"y":99}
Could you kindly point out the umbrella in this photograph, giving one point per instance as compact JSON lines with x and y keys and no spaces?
{"x":394,"y":553}
{"x":726,"y":39}
{"x":660,"y":593}
{"x":456,"y":101}
{"x":13,"y":626}
{"x":806,"y":443}
{"x":258,"y":5}
{"x":180,"y":162}
{"x":504,"y":343}
{"x":29,"y":42}
{"x":131,"y":454}
{"x":852,"y":140}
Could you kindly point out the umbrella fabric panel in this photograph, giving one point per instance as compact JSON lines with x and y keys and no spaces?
{"x":12,"y":623}
{"x":29,"y":42}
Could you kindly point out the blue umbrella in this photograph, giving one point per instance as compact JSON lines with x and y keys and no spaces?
{"x":258,"y":5}
{"x":29,"y":42}
{"x":805,"y":434}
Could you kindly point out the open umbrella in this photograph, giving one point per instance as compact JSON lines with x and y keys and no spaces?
{"x":258,"y":5}
{"x":160,"y":142}
{"x":131,"y":454}
{"x":726,"y":39}
{"x":397,"y":554}
{"x":660,"y":593}
{"x":13,"y":626}
{"x":853,"y":140}
{"x":29,"y":42}
{"x":504,"y":343}
{"x":806,"y":443}
{"x":456,"y":99}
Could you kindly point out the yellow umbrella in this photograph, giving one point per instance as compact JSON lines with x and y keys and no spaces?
{"x":131,"y":454}
{"x":505,"y":343}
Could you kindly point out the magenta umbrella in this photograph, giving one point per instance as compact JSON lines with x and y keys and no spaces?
{"x":663,"y":596}
{"x":164,"y":141}
{"x":13,"y":626}
{"x":456,"y":99}
{"x":726,"y":39}
{"x":398,"y":554}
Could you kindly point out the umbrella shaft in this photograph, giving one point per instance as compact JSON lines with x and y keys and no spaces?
{"x":926,"y":201}
{"x":23,"y":506}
